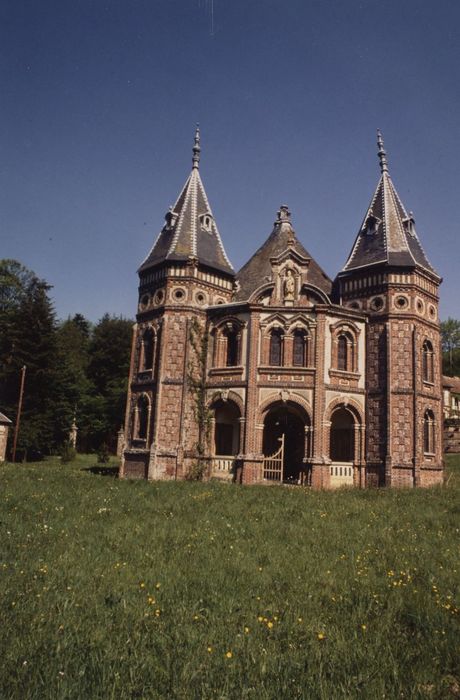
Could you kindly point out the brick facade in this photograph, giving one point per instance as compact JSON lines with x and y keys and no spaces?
{"x":304,"y":381}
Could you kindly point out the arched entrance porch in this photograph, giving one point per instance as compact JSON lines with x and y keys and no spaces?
{"x":225,"y":436}
{"x":345,"y":445}
{"x":285,"y":446}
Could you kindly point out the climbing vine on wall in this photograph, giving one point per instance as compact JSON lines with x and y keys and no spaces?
{"x":196,"y":381}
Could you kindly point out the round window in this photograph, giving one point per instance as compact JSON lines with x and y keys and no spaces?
{"x":402,"y":302}
{"x":159,"y":296}
{"x":144,"y":301}
{"x":432,"y":311}
{"x":377,"y":304}
{"x":200,"y":297}
{"x":420,"y":306}
{"x":179,"y":294}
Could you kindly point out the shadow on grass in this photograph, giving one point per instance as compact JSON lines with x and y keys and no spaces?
{"x":102,"y":471}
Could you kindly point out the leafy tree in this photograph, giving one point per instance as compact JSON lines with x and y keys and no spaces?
{"x":72,"y":368}
{"x":450,"y":336}
{"x":108,"y":369}
{"x":72,"y":387}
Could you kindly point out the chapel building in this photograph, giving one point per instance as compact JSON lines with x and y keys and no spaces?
{"x":278,"y":373}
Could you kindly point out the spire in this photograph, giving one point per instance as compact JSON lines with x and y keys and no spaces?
{"x":196,"y":148}
{"x":387,"y":235}
{"x":382,"y":153}
{"x":190,"y":231}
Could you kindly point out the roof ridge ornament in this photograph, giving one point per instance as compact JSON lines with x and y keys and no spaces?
{"x":283,"y":215}
{"x":382,"y":154}
{"x":196,"y":148}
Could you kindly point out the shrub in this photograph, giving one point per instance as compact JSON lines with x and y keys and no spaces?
{"x":68,"y":452}
{"x":103,"y":454}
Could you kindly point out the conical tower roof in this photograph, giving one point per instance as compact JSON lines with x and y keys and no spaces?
{"x":387,"y":235}
{"x":190,"y":231}
{"x":258,"y":269}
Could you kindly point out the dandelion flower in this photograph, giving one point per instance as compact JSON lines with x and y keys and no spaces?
{"x":229,"y":654}
{"x":321,"y":636}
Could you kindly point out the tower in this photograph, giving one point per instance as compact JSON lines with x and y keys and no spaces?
{"x":389,"y":276}
{"x":186,"y":271}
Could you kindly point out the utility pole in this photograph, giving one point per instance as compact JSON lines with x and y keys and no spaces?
{"x":18,"y":417}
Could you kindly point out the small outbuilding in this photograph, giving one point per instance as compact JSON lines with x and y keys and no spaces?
{"x":4,"y":428}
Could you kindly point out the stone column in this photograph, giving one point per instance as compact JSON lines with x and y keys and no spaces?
{"x":288,"y":350}
{"x":120,"y":441}
{"x":73,"y":435}
{"x":320,"y":476}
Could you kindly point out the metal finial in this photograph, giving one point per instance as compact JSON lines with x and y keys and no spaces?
{"x":382,"y":153}
{"x":196,"y":148}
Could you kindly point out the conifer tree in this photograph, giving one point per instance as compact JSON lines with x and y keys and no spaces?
{"x":28,"y":337}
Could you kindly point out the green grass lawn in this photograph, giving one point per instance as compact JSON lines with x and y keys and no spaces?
{"x":184,"y":590}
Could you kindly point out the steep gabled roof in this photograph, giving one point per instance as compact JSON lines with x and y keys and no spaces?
{"x":387,"y":235}
{"x":258,"y":269}
{"x":190,"y":230}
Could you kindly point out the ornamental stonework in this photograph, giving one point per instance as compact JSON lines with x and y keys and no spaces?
{"x":276,"y":373}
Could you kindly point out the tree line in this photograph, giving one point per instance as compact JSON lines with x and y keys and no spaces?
{"x":74,"y":369}
{"x":450,"y":335}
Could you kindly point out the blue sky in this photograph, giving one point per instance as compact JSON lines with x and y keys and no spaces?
{"x":100,"y":100}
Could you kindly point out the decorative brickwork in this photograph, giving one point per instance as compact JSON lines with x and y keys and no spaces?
{"x":338,"y":384}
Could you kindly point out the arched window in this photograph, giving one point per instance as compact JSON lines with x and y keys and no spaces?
{"x":428,"y":362}
{"x":428,"y":432}
{"x":227,"y":428}
{"x":299,"y":350}
{"x":142,"y":418}
{"x":276,"y":348}
{"x":232,"y":347}
{"x":342,"y":352}
{"x":342,"y":438}
{"x":345,"y":352}
{"x":148,"y":342}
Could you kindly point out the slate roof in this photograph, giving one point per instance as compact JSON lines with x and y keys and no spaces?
{"x":258,"y":269}
{"x":387,"y":235}
{"x":452,"y":383}
{"x":185,"y":234}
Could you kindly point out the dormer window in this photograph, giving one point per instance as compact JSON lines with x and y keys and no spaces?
{"x":371,"y":225}
{"x":409,"y":224}
{"x":206,"y":222}
{"x":170,"y":219}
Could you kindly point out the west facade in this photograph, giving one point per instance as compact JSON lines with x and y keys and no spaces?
{"x":278,"y":373}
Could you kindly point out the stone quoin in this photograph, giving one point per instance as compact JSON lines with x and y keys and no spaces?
{"x":303,"y":379}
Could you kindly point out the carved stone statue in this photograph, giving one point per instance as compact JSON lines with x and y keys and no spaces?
{"x":289,"y":286}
